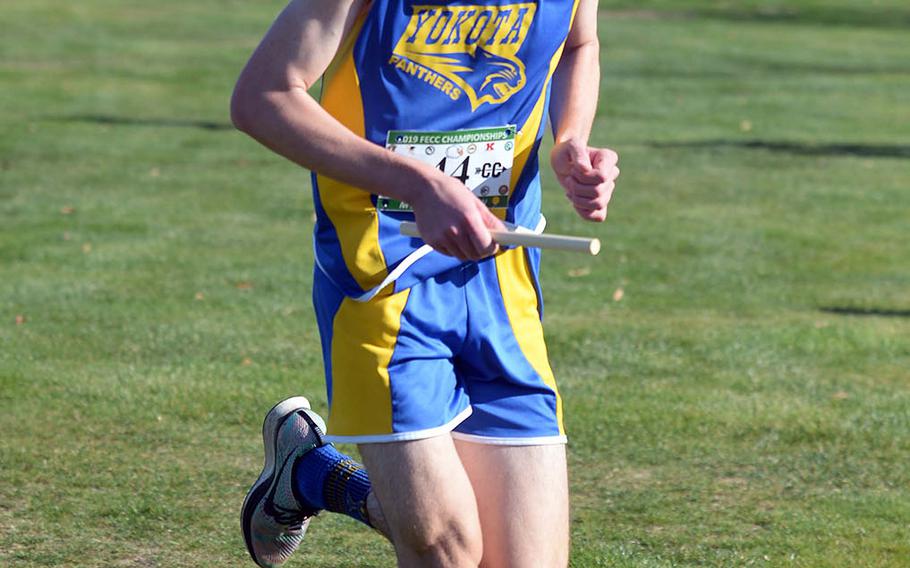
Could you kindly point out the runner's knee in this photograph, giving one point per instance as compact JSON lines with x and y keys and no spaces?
{"x":451,"y":539}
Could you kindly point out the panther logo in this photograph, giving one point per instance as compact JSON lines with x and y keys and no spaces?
{"x":491,"y":77}
{"x":470,"y":50}
{"x":501,"y":77}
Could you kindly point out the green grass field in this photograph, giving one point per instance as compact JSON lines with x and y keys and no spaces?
{"x":746,"y":401}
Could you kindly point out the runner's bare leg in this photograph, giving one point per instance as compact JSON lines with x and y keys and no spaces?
{"x":522,"y":497}
{"x":427,"y":502}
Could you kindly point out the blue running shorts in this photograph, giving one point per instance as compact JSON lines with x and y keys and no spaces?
{"x":461,"y":352}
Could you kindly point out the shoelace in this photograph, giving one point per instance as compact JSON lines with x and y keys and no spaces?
{"x":292,"y":518}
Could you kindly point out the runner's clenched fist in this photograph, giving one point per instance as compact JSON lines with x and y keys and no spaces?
{"x":588,"y":176}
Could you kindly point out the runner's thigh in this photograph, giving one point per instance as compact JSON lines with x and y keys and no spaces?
{"x":426,"y":498}
{"x":522,"y":498}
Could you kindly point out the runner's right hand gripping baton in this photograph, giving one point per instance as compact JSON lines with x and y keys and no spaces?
{"x":527,"y":239}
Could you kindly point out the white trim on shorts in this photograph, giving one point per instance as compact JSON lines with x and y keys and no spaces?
{"x":403,"y":436}
{"x":493,"y":441}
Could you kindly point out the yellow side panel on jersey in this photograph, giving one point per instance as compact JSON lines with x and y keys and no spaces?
{"x":527,"y":133}
{"x":350,"y":209}
{"x":363,"y":340}
{"x":520,"y":298}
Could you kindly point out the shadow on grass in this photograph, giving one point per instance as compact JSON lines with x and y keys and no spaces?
{"x":800,"y":148}
{"x":109,"y":120}
{"x":870,"y":312}
{"x":751,"y":65}
{"x":751,"y":68}
{"x":869,"y":17}
{"x":748,"y":67}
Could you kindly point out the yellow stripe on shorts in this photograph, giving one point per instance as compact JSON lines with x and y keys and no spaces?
{"x":519,"y":296}
{"x":363,"y":339}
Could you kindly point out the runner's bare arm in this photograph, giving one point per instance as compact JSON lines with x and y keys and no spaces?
{"x":587,"y":174}
{"x":271,"y":104}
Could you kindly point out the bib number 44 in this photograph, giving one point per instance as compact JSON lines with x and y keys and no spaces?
{"x":481,"y":159}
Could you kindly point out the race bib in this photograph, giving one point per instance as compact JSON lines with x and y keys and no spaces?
{"x":480,"y":158}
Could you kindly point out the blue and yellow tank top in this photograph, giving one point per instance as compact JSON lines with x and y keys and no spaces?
{"x":434,"y":66}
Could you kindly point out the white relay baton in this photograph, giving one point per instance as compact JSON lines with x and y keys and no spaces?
{"x":528,"y":239}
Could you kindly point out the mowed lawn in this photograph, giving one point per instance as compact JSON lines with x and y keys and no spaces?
{"x":735,"y":365}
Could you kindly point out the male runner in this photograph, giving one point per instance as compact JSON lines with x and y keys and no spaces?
{"x":435,"y":363}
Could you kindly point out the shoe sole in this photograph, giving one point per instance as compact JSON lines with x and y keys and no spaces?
{"x":273,"y":421}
